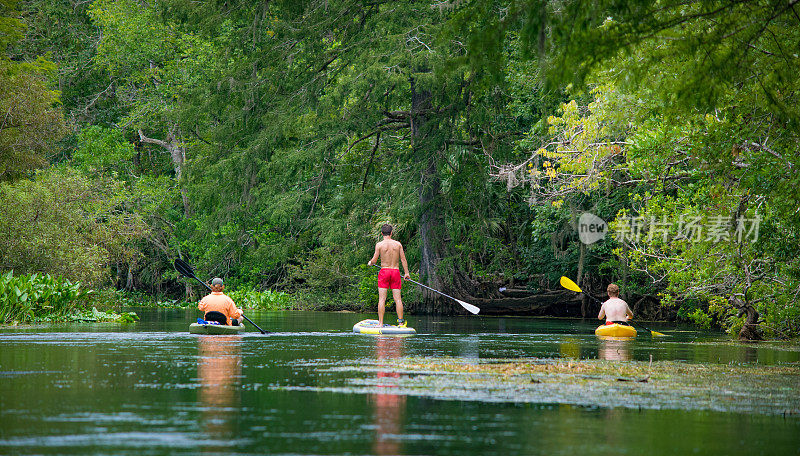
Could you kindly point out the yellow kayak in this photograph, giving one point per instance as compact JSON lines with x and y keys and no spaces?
{"x":615,"y":330}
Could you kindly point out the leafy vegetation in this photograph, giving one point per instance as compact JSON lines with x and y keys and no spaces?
{"x":262,"y":300}
{"x":94,"y":316}
{"x":110,"y":298}
{"x":23,"y":298}
{"x":267,"y":143}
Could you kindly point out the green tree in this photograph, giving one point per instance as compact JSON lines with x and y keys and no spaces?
{"x":324,"y":120}
{"x":705,"y":90}
{"x":66,"y":224}
{"x":63,"y":31}
{"x":32,"y":122}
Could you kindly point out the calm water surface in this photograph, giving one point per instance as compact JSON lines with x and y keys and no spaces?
{"x":152,"y":388}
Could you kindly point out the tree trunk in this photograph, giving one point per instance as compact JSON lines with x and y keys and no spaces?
{"x":750,"y":330}
{"x":581,"y":282}
{"x":177,"y":153}
{"x":625,"y":272}
{"x":431,"y":224}
{"x":129,"y":280}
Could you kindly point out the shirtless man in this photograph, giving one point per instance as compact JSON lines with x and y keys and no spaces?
{"x":391,"y":254}
{"x":615,"y":310}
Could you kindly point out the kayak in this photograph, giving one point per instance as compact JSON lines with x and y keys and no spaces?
{"x":371,"y":327}
{"x":197,"y":328}
{"x":615,"y":330}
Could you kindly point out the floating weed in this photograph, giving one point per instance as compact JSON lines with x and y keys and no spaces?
{"x":746,"y":388}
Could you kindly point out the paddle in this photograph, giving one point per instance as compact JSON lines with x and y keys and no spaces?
{"x":465,"y":305}
{"x":572,"y":286}
{"x":184,"y":268}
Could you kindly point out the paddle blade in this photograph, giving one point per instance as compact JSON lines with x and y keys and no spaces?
{"x":187,"y":271}
{"x":469,"y":307}
{"x":570,"y":285}
{"x":657,"y":334}
{"x":183,"y":267}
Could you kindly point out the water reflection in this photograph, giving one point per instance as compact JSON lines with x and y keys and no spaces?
{"x":470,"y":349}
{"x":570,"y":348}
{"x":219,"y":369}
{"x":750,"y":355}
{"x":615,"y":348}
{"x":389,"y":408}
{"x":142,"y":390}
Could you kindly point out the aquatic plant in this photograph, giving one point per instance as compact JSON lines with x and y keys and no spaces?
{"x":265,"y":300}
{"x":112,"y":298}
{"x":95,"y":315}
{"x":23,"y":298}
{"x":736,"y":387}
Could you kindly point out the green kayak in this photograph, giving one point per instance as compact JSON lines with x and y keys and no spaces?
{"x":196,"y":328}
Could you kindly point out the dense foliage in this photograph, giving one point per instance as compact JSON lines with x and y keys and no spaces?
{"x":263,"y":300}
{"x":268,"y":142}
{"x":23,"y":297}
{"x":694,"y":117}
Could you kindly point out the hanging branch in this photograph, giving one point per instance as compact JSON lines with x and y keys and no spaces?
{"x":371,"y":157}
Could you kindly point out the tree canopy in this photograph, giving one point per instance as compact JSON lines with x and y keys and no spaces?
{"x":268,"y":142}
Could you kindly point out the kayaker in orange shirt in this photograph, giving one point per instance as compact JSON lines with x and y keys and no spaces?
{"x":219,"y":307}
{"x":615,"y":310}
{"x":391,"y":254}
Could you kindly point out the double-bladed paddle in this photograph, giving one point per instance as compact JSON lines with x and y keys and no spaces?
{"x":572,"y":286}
{"x":187,"y":271}
{"x":470,"y":308}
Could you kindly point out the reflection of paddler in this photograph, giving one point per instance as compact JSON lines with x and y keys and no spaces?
{"x":219,"y":370}
{"x":220,"y":307}
{"x":614,"y":349}
{"x":389,"y":408}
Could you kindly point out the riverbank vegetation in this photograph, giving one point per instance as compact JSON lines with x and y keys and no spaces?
{"x":267,"y":143}
{"x":41,"y":298}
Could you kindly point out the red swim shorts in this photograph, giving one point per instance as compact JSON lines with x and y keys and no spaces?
{"x":390,"y":278}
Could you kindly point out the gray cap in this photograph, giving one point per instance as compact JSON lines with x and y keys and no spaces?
{"x":216,"y":281}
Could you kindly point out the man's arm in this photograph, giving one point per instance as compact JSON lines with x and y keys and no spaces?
{"x":235,"y":312}
{"x":628,"y":311}
{"x":602,"y":313}
{"x":403,"y":260}
{"x":374,"y":259}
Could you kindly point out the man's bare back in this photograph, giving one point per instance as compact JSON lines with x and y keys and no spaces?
{"x":391,"y":254}
{"x":389,"y":251}
{"x":615,"y":309}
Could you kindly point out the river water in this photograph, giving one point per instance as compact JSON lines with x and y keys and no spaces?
{"x":151,"y":388}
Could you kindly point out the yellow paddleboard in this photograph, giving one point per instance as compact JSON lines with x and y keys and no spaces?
{"x":372,"y":327}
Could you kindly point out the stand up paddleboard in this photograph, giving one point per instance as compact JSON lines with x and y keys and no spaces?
{"x":371,"y":327}
{"x":198,"y":328}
